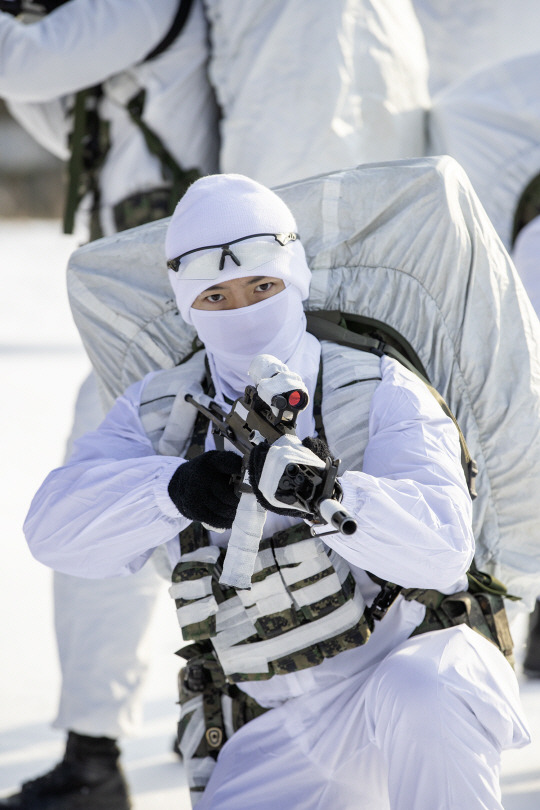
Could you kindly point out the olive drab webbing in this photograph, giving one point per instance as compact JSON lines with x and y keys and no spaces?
{"x":481,"y":607}
{"x":179,"y":179}
{"x":211,"y":711}
{"x":142,"y":207}
{"x":89,"y":143}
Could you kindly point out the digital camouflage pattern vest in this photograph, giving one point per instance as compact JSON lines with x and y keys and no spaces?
{"x":304,"y":605}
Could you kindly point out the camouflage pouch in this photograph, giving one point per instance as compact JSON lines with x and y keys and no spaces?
{"x":481,"y":607}
{"x":211,"y":710}
{"x":143,"y":207}
{"x":201,"y":733}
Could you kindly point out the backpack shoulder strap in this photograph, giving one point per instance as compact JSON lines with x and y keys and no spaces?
{"x":372,"y":336}
{"x":175,"y":29}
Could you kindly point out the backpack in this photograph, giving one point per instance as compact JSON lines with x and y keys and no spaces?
{"x":407,"y":247}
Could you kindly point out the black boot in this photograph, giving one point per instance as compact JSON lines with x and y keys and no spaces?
{"x":531,"y":663}
{"x":88,"y":778}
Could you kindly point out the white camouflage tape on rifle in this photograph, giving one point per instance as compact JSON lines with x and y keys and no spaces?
{"x":271,"y":377}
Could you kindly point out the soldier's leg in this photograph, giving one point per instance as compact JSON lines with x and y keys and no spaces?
{"x":101,"y":628}
{"x":313,"y":752}
{"x":441,"y":708}
{"x":102,"y":636}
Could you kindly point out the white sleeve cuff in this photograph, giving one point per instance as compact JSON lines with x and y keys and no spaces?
{"x":161,"y":489}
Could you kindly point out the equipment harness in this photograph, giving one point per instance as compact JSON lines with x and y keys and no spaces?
{"x":213,"y":707}
{"x":90,"y":141}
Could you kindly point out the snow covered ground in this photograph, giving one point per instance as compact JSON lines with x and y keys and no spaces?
{"x":41,"y":366}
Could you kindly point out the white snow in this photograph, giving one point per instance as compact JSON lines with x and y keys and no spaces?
{"x":41,"y":366}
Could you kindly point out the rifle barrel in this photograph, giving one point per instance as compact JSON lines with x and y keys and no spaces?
{"x":333,"y":512}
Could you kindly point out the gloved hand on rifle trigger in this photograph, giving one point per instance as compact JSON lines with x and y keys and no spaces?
{"x":267,"y":464}
{"x":202,"y":489}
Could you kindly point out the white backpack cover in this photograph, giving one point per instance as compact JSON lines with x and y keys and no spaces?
{"x":406,"y":243}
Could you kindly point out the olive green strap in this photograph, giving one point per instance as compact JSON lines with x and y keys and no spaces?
{"x":89,"y":142}
{"x":203,"y":673}
{"x":329,"y":325}
{"x":75,"y":165}
{"x":481,"y":582}
{"x":482,"y":611}
{"x":179,"y":177}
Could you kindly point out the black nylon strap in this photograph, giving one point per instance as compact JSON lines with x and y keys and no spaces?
{"x":326,"y":326}
{"x":317,"y":406}
{"x":180,"y":19}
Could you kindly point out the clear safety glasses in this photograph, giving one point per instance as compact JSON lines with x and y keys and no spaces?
{"x":246,"y":254}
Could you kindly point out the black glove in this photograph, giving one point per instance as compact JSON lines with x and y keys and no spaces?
{"x":202,"y":489}
{"x":317,"y":446}
{"x":256,"y":464}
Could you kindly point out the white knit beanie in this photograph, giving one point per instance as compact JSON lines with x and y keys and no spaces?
{"x":216,"y":210}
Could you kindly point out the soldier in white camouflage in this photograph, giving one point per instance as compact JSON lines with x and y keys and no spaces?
{"x":312,"y":687}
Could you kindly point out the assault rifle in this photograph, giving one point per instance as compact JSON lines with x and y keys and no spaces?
{"x":268,"y":411}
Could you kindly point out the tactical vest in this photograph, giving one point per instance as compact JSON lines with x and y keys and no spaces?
{"x":295,"y":572}
{"x":304,"y":605}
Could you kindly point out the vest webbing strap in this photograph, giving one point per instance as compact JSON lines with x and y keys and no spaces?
{"x":76,"y":160}
{"x":82,"y":171}
{"x":317,"y":406}
{"x":180,"y":178}
{"x":480,"y":607}
{"x":180,"y":19}
{"x":203,"y":673}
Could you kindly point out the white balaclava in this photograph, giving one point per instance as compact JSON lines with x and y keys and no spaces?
{"x":214,"y":212}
